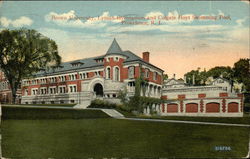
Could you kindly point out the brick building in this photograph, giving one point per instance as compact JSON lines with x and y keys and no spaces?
{"x":5,"y":92}
{"x":81,"y":81}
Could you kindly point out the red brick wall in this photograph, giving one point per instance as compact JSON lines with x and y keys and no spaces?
{"x":201,"y":95}
{"x":182,"y":96}
{"x":113,"y":63}
{"x":223,"y":94}
{"x":172,"y":108}
{"x":212,"y":107}
{"x":233,"y":107}
{"x":164,"y":97}
{"x":191,"y":108}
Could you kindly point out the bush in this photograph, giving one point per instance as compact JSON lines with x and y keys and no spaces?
{"x":97,"y":103}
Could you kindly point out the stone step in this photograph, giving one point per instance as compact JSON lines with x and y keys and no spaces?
{"x":113,"y":113}
{"x":82,"y":105}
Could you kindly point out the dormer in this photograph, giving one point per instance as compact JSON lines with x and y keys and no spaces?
{"x":99,"y":60}
{"x":76,"y":64}
{"x":57,"y":67}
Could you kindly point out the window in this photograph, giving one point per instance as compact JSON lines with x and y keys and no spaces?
{"x":72,"y":88}
{"x":155,"y":76}
{"x":52,"y":90}
{"x":26,"y":92}
{"x":116,"y":59}
{"x":34,"y":91}
{"x":62,"y":89}
{"x":117,"y":74}
{"x":146,"y":73}
{"x":43,"y":90}
{"x":108,"y":73}
{"x":131,"y":72}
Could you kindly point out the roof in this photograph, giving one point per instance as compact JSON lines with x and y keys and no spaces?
{"x":114,"y":48}
{"x":67,"y":66}
{"x":91,"y":62}
{"x":175,"y":81}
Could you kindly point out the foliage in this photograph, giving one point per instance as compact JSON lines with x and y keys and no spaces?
{"x":165,"y":76}
{"x":195,"y":77}
{"x":241,"y":72}
{"x":225,"y":72}
{"x":24,"y":52}
{"x":97,"y":103}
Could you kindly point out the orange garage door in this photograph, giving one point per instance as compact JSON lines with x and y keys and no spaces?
{"x":233,"y":107}
{"x":191,"y":108}
{"x":212,"y":107}
{"x":172,"y":108}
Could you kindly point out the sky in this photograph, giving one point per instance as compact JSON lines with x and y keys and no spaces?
{"x":180,"y":36}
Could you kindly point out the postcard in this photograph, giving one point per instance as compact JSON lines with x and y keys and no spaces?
{"x":124,"y":79}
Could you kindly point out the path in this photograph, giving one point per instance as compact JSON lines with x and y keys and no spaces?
{"x":248,"y":155}
{"x":187,"y":122}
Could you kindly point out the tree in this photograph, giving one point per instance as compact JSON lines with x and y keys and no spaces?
{"x":241,"y":72}
{"x":23,"y":52}
{"x":225,"y":72}
{"x":165,"y":76}
{"x":196,"y":77}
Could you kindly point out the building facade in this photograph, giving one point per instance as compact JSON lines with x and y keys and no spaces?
{"x":5,"y":91}
{"x":214,"y":99}
{"x":84,"y":80}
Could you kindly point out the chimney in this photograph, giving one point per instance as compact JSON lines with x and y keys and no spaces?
{"x":145,"y":56}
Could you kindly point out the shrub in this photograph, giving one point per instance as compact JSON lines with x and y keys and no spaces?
{"x":97,"y":103}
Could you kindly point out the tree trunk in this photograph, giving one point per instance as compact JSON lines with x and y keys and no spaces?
{"x":13,"y":87}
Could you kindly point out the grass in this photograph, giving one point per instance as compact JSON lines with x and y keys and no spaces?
{"x":48,"y":113}
{"x":100,"y":138}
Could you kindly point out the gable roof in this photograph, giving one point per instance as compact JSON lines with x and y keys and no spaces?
{"x":174,"y":82}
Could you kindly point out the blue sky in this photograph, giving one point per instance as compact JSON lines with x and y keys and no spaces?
{"x":177,"y":46}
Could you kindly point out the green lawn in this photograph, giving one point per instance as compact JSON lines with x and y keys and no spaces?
{"x":107,"y":137}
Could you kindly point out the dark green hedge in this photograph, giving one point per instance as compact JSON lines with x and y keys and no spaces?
{"x":49,"y":113}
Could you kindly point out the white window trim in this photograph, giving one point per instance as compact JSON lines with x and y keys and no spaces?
{"x":106,"y":72}
{"x":114,"y":74}
{"x":72,"y":85}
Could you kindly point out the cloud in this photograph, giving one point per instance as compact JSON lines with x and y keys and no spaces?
{"x":20,"y":22}
{"x":241,"y":21}
{"x":71,"y":19}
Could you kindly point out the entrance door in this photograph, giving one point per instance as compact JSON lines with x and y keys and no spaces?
{"x":98,"y":89}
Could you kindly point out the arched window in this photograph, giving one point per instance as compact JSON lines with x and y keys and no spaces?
{"x":108,"y":73}
{"x":117,"y":74}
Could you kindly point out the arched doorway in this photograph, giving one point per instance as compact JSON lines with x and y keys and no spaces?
{"x":98,"y":89}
